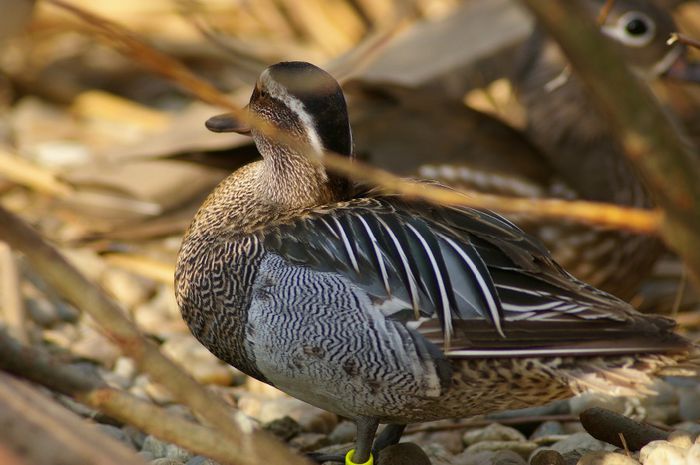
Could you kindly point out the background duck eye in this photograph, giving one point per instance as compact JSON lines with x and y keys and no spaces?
{"x":636,"y":27}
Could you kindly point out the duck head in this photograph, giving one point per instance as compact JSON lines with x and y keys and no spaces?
{"x":300,"y":99}
{"x":641,"y":28}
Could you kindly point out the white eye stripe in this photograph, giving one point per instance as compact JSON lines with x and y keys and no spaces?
{"x":619,"y":32}
{"x":279,"y":92}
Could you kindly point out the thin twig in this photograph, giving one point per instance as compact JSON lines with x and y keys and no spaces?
{"x":605,"y":11}
{"x":683,"y":39}
{"x":641,"y":221}
{"x":13,"y":309}
{"x":43,"y":432}
{"x":255,"y":447}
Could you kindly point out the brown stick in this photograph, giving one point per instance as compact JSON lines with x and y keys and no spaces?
{"x":38,"y":430}
{"x":649,"y":138}
{"x":641,"y":221}
{"x":37,"y":366}
{"x":254,"y":447}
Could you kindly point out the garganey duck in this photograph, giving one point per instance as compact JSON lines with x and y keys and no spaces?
{"x":385,"y":310}
{"x":577,"y":141}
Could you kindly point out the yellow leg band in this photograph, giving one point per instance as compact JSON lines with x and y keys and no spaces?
{"x":351,"y":453}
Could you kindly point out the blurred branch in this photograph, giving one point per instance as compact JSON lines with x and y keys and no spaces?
{"x":683,"y":39}
{"x":641,"y":221}
{"x":27,"y":174}
{"x":650,"y":139}
{"x":148,"y":56}
{"x":37,"y":430}
{"x":637,"y":220}
{"x":37,"y":366}
{"x":254,"y":447}
{"x":11,"y":299}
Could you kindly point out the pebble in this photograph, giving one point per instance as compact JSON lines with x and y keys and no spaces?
{"x":127,"y":289}
{"x":135,"y":435}
{"x":116,"y":433}
{"x":310,"y":418}
{"x":693,"y":455}
{"x":547,"y":457}
{"x":689,"y":403}
{"x":154,"y":446}
{"x":690,"y":426}
{"x":345,"y":431}
{"x":307,"y":442}
{"x":92,"y":345}
{"x":166,"y":461}
{"x":405,"y":453}
{"x":450,"y":440}
{"x":524,"y":448}
{"x":493,"y":432}
{"x":160,"y":315}
{"x":662,"y":453}
{"x":201,"y":460}
{"x":502,"y":457}
{"x":47,"y":313}
{"x":681,"y":439}
{"x":580,"y":443}
{"x":606,"y":458}
{"x":284,"y":428}
{"x":194,"y":358}
{"x":547,"y":429}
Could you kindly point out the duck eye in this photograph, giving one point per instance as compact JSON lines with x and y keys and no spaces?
{"x":634,"y":29}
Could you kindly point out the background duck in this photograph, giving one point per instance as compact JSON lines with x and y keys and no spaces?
{"x":389,"y":311}
{"x":575,"y":138}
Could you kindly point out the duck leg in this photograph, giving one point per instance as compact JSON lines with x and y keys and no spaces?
{"x":390,"y":435}
{"x":366,"y":429}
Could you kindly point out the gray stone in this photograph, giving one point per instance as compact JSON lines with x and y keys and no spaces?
{"x":116,"y":433}
{"x":493,"y":432}
{"x":154,"y":446}
{"x":580,"y":443}
{"x":173,"y":451}
{"x":166,"y":461}
{"x":135,"y":435}
{"x":345,"y":431}
{"x":690,"y":426}
{"x":548,"y":429}
{"x":406,"y":453}
{"x":689,"y":403}
{"x":606,"y":458}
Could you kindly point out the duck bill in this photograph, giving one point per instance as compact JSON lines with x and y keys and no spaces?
{"x":227,"y":122}
{"x":684,"y":69}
